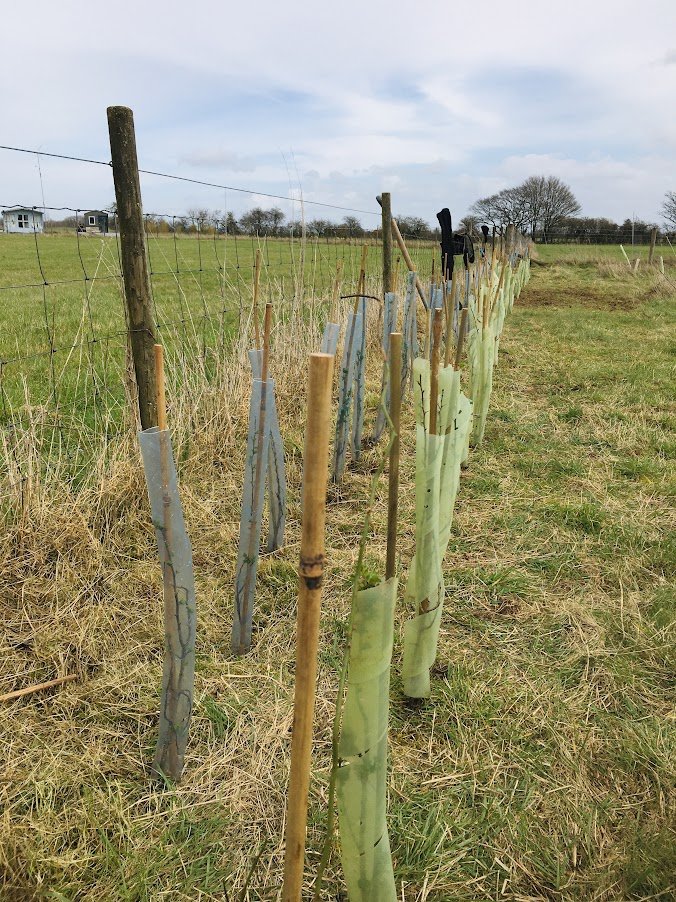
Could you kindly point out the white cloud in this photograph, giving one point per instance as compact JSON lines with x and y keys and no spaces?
{"x":254,"y":91}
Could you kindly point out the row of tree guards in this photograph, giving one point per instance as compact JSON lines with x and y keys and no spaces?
{"x":468,"y":311}
{"x":463,"y":308}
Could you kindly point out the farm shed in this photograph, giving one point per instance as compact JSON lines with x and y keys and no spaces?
{"x":23,"y":220}
{"x":96,"y":221}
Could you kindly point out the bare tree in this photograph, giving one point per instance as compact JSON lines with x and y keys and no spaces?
{"x":276,"y":219}
{"x":486,"y":210}
{"x":533,"y":191}
{"x":414,"y":227}
{"x":669,"y":208}
{"x":539,"y":202}
{"x":507,"y":206}
{"x":200,"y":218}
{"x":352,"y":226}
{"x":558,"y":201}
{"x":254,"y":222}
{"x":470,"y":224}
{"x":320,"y":227}
{"x":231,"y":224}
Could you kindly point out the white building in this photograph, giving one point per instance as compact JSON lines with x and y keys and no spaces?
{"x":23,"y":220}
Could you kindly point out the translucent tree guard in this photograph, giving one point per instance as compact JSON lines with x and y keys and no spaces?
{"x":359,"y":383}
{"x":276,"y":471}
{"x":362,"y":773}
{"x":175,"y":556}
{"x":346,"y":380}
{"x":258,"y":442}
{"x":330,"y":338}
{"x":438,"y":459}
{"x":390,"y":312}
{"x":409,"y":343}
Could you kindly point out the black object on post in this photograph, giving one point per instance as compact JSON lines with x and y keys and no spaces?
{"x":447,"y":248}
{"x":467,"y":249}
{"x":484,"y":239}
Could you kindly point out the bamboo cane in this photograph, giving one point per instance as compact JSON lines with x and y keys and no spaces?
{"x":362,"y":277}
{"x":161,"y":395}
{"x":266,"y":342}
{"x":448,"y":318}
{"x":461,"y":339}
{"x":311,"y":574}
{"x":450,"y":313}
{"x":393,"y":485}
{"x":407,"y":259}
{"x":257,"y":279}
{"x":19,"y":693}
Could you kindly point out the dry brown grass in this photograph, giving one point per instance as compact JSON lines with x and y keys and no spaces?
{"x":542,"y":768}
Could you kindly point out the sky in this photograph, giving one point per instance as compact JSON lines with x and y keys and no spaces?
{"x":439,"y":103}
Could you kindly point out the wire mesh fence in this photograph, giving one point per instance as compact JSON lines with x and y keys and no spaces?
{"x":66,"y":376}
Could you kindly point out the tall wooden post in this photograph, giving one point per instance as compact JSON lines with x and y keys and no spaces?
{"x":653,"y":239}
{"x":510,"y":239}
{"x":134,"y":261}
{"x":311,"y":575}
{"x":387,"y":241}
{"x":393,"y":487}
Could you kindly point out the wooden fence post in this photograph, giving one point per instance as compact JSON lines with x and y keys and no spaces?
{"x":311,"y":575}
{"x":653,"y":239}
{"x":387,"y":242}
{"x":134,"y":261}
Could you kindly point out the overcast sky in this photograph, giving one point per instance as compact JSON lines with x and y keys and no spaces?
{"x":438,"y":102}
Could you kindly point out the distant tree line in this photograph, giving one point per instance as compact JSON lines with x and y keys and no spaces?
{"x":599,"y":230}
{"x":542,"y":206}
{"x":261,"y":221}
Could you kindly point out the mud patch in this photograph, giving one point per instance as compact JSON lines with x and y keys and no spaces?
{"x":576,"y":297}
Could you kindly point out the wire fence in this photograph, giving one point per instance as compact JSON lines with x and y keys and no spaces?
{"x":66,"y":376}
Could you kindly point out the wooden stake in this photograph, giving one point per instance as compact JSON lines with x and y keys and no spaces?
{"x":362,"y":278}
{"x":462,"y":329}
{"x":133,"y":257}
{"x":449,"y":316}
{"x":393,"y":485}
{"x":18,"y":693}
{"x":161,"y":399}
{"x":651,"y":252}
{"x":434,"y":370}
{"x":387,"y":242}
{"x":266,"y":342}
{"x":257,"y":279}
{"x":395,"y":276}
{"x":407,"y":259}
{"x":311,"y":574}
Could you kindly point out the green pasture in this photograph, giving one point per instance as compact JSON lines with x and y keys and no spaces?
{"x":63,"y":325}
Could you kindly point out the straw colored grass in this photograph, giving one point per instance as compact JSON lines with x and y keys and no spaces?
{"x":542,"y":768}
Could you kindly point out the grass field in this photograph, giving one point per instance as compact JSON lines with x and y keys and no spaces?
{"x":542,"y":768}
{"x":63,"y":345}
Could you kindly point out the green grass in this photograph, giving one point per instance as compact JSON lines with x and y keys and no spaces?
{"x":542,"y":768}
{"x":63,"y":345}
